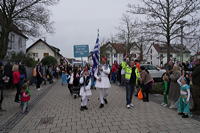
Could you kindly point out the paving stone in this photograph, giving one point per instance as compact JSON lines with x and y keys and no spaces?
{"x":104,"y":129}
{"x":113,"y":118}
{"x":114,"y":128}
{"x":122,"y":131}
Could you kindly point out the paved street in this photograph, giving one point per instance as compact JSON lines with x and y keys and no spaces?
{"x":58,"y":112}
{"x":12,"y":113}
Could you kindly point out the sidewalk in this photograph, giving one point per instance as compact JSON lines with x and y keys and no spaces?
{"x":12,"y":108}
{"x":59,"y":112}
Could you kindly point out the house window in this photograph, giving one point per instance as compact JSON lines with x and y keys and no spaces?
{"x":151,"y":51}
{"x":35,"y":54}
{"x":151,"y":57}
{"x":20,"y":43}
{"x":46,"y":54}
{"x":11,"y":40}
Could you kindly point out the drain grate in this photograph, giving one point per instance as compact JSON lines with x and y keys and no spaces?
{"x":46,"y":121}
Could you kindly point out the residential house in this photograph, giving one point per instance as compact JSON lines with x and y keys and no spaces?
{"x":116,"y":52}
{"x":41,"y":48}
{"x":157,"y":54}
{"x":17,"y":40}
{"x":196,"y":56}
{"x":113,"y":52}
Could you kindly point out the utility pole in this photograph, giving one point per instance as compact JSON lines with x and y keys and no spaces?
{"x":182,"y":22}
{"x":182,"y":46}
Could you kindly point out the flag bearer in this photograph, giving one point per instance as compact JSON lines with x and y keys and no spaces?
{"x":102,"y":82}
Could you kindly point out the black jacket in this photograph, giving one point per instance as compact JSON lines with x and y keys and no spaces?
{"x":133,"y":77}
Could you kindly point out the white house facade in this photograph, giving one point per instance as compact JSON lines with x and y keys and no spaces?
{"x":157,"y":54}
{"x":16,"y":41}
{"x":40,"y":49}
{"x":16,"y":44}
{"x":113,"y":52}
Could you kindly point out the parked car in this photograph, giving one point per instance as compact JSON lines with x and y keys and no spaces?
{"x":155,"y":72}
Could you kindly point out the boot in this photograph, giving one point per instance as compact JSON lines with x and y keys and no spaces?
{"x":82,"y":108}
{"x":101,"y":106}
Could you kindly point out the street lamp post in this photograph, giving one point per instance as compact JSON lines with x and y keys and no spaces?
{"x":182,"y":22}
{"x":0,"y":30}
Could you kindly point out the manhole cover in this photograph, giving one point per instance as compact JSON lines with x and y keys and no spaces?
{"x":46,"y":120}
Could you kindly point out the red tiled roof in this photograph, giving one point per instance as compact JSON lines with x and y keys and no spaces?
{"x":119,"y":47}
{"x":174,"y":48}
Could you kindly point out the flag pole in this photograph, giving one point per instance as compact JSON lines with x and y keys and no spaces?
{"x":99,"y":47}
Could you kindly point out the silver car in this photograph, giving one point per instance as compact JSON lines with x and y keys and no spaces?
{"x":155,"y":72}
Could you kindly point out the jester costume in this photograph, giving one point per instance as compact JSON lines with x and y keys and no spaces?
{"x":183,"y":102}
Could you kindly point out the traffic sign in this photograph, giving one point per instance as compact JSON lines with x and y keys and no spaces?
{"x":81,"y":51}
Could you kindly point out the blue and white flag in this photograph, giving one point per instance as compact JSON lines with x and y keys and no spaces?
{"x":96,"y":54}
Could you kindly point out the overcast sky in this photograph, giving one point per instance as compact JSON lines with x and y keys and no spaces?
{"x":77,"y":21}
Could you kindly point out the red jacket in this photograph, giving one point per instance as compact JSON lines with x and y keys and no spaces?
{"x":16,"y":77}
{"x":114,"y":68}
{"x":25,"y":97}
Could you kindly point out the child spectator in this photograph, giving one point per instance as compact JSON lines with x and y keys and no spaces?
{"x":25,"y":97}
{"x":165,"y":89}
{"x":184,"y":99}
{"x":65,"y":77}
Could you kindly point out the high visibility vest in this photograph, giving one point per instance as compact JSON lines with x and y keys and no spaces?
{"x":137,"y":73}
{"x":128,"y":71}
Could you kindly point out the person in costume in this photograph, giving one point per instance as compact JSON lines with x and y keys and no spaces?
{"x":85,"y":91}
{"x":102,"y":82}
{"x":184,"y":99}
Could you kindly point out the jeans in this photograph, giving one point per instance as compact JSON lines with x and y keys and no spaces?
{"x":24,"y":106}
{"x":17,"y":96}
{"x":145,"y":91}
{"x":129,"y":93}
{"x":113,"y":77}
{"x":1,"y":98}
{"x":39,"y":81}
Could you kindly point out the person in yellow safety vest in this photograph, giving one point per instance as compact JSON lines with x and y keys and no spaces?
{"x":132,"y":77}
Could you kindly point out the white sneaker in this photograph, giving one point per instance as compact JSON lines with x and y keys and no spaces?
{"x":128,"y":106}
{"x":132,"y":105}
{"x":38,"y":89}
{"x":172,"y":107}
{"x":164,"y":105}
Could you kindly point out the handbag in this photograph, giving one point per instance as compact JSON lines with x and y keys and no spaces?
{"x":140,"y":95}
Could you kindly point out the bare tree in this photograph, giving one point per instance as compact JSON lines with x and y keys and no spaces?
{"x":163,"y":16}
{"x":31,"y":16}
{"x":126,"y":33}
{"x":134,"y":35}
